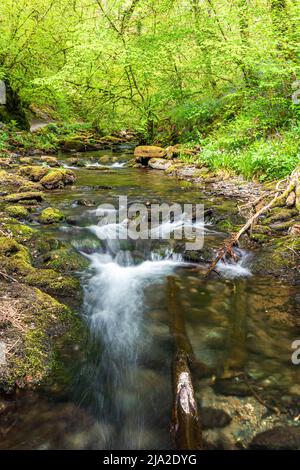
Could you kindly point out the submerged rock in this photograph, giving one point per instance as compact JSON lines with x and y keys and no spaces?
{"x":232,"y":386}
{"x":278,"y":438}
{"x":159,"y":164}
{"x":51,"y":216}
{"x":214,"y":418}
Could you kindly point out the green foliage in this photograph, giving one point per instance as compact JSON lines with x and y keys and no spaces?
{"x":219,"y":74}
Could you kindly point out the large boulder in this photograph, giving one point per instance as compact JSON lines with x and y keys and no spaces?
{"x":27,"y":196}
{"x":57,"y":179}
{"x":159,"y":164}
{"x":143,"y":153}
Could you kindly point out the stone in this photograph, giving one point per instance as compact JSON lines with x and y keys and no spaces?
{"x":214,"y":418}
{"x":57,"y":179}
{"x":278,"y":438}
{"x":159,"y":164}
{"x":27,"y":196}
{"x":33,"y":172}
{"x":17,"y":211}
{"x":143,"y":153}
{"x":51,"y":161}
{"x":51,"y":216}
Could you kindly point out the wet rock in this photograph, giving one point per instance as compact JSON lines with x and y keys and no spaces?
{"x":104,"y":159}
{"x":214,"y":418}
{"x":231,"y":386}
{"x":73,"y":220}
{"x":57,"y":179}
{"x":278,"y":438}
{"x":26,"y":196}
{"x":83,"y":202}
{"x":51,"y":216}
{"x":159,"y":164}
{"x":51,"y":161}
{"x":76,"y":161}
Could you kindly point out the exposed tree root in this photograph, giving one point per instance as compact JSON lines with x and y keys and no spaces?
{"x":186,"y":426}
{"x":292,"y":185}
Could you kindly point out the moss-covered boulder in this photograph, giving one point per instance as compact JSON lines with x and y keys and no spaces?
{"x":51,"y":216}
{"x":26,"y":160}
{"x":57,"y":179}
{"x":144,"y":153}
{"x":33,"y":172}
{"x":25,"y":196}
{"x":20,"y":212}
{"x":14,"y":257}
{"x":35,"y":325}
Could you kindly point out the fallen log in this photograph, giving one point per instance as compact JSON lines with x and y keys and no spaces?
{"x":186,"y":425}
{"x":280,"y":198}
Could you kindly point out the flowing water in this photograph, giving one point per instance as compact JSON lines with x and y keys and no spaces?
{"x":120,"y":395}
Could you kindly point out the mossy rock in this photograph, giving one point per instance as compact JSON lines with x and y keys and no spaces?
{"x":14,"y":257}
{"x":21,"y":232}
{"x":45,"y":323}
{"x":19,"y":212}
{"x":34,"y":173}
{"x":51,"y":161}
{"x":66,"y":260}
{"x":51,"y":216}
{"x":104,"y":159}
{"x":53,"y":282}
{"x":26,"y":160}
{"x":57,"y":179}
{"x":24,"y":196}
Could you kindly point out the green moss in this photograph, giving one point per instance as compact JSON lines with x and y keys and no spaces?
{"x":21,"y":233}
{"x":51,"y":216}
{"x":17,"y":211}
{"x":259,"y":237}
{"x":25,"y":196}
{"x":56,"y":179}
{"x":66,"y":260}
{"x":34,"y":173}
{"x":14,"y":258}
{"x":280,"y":214}
{"x":52,"y":281}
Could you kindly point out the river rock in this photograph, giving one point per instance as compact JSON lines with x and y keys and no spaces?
{"x":27,"y":196}
{"x":51,"y":161}
{"x":214,"y":418}
{"x":57,"y":179}
{"x":159,"y":164}
{"x":144,"y":153}
{"x":51,"y":216}
{"x":232,"y":386}
{"x":278,"y":438}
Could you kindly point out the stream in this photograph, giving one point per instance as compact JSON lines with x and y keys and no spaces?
{"x":120,"y":395}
